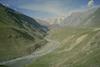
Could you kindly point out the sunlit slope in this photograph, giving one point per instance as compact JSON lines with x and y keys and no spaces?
{"x":79,"y":48}
{"x":92,"y":20}
{"x":87,"y":18}
{"x":20,"y":35}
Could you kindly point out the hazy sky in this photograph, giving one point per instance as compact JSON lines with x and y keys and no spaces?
{"x":49,"y":8}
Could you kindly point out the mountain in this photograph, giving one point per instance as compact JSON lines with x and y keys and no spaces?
{"x":93,"y":20}
{"x":43,"y":22}
{"x":20,"y":35}
{"x":77,"y":42}
{"x":3,"y":66}
{"x":89,"y":17}
{"x":48,"y":23}
{"x":75,"y":47}
{"x":55,"y":20}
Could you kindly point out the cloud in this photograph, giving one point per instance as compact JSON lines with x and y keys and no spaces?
{"x":53,"y":8}
{"x":91,"y":3}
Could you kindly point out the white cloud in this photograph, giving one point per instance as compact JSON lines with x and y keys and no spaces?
{"x":53,"y":8}
{"x":91,"y":3}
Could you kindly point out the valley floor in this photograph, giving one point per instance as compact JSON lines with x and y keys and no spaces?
{"x":21,"y":61}
{"x":75,"y":48}
{"x":66,"y":47}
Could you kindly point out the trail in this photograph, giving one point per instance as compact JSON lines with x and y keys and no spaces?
{"x":19,"y":62}
{"x":78,"y":40}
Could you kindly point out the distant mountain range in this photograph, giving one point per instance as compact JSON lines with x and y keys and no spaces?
{"x":51,"y":22}
{"x":85,"y":18}
{"x":55,"y":20}
{"x":89,"y":17}
{"x":20,"y":35}
{"x":43,"y":22}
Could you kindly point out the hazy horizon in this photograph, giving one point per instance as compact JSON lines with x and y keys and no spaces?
{"x":49,"y":8}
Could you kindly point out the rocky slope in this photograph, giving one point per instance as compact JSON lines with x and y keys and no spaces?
{"x":89,"y":17}
{"x":20,"y":35}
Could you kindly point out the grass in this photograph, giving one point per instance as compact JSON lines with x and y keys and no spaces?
{"x":3,"y":66}
{"x":17,"y":35}
{"x":79,"y":48}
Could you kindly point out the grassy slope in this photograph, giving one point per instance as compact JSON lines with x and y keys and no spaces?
{"x":18,"y":38}
{"x":79,"y":48}
{"x":3,"y":66}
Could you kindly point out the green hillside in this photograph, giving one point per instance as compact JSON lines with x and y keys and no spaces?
{"x":3,"y":66}
{"x":79,"y":47}
{"x":20,"y":35}
{"x":76,"y":43}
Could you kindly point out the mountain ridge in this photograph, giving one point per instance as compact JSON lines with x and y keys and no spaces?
{"x":20,"y":35}
{"x":82,"y":18}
